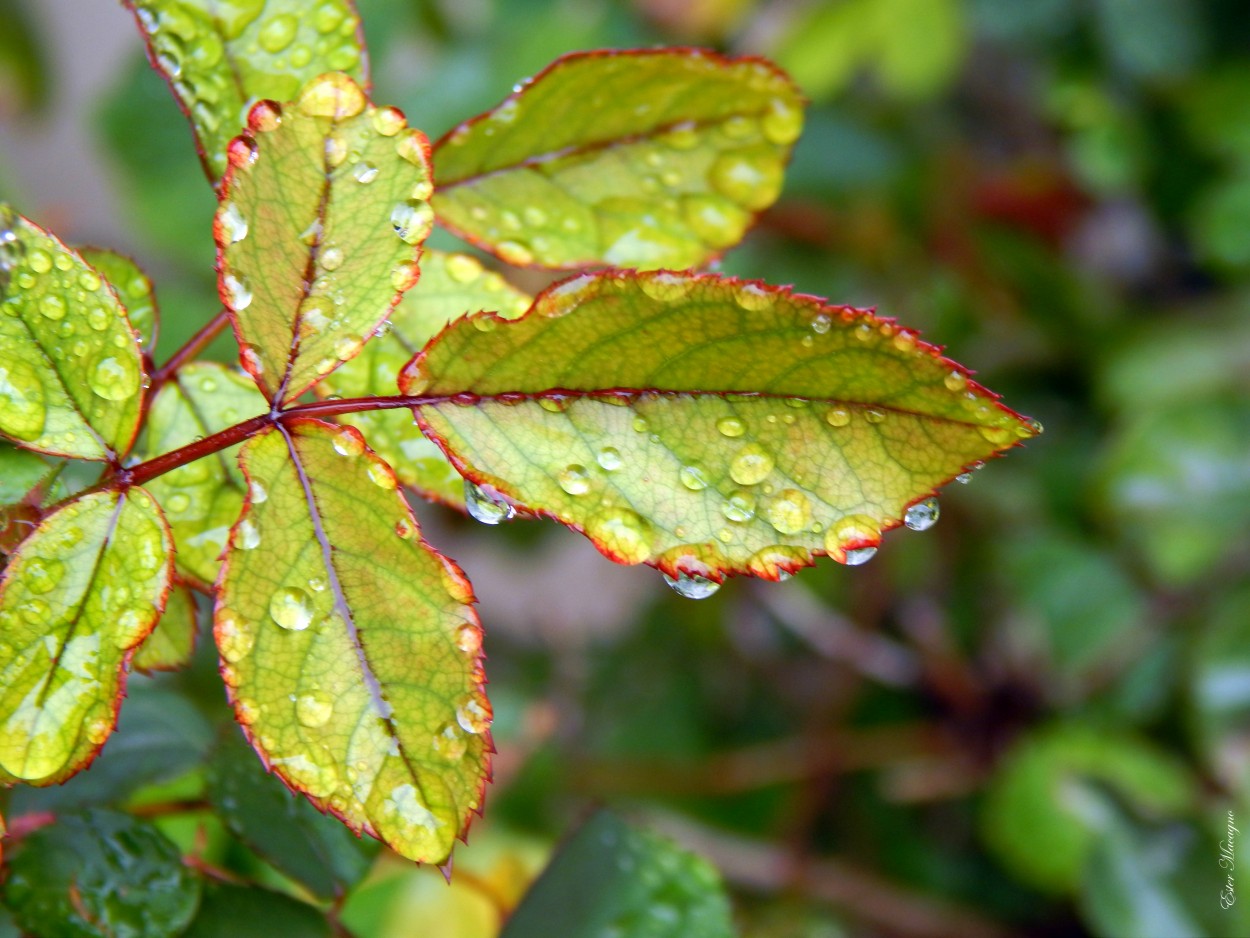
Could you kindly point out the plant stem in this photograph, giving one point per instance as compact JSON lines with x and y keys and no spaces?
{"x":191,"y":348}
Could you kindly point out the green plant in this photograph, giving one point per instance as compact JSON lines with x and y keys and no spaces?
{"x":700,"y":424}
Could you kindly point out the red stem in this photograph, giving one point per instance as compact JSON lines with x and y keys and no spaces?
{"x":191,"y":348}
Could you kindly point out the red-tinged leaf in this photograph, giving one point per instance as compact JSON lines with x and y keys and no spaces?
{"x":349,"y":646}
{"x":323,"y":211}
{"x":219,"y":56}
{"x":705,"y":425}
{"x":450,"y":286}
{"x":134,"y":289}
{"x":171,"y":642}
{"x":78,"y":595}
{"x":644,"y":158}
{"x":71,"y":376}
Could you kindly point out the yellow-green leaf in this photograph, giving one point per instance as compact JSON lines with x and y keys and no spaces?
{"x":170,"y":644}
{"x":82,"y":591}
{"x":658,"y":158}
{"x":349,"y":646}
{"x":705,"y":425}
{"x":221,"y":55}
{"x":71,"y":376}
{"x":203,"y":498}
{"x":322,"y":215}
{"x":133,"y":288}
{"x":450,"y":286}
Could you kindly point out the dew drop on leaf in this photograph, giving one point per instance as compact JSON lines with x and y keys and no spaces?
{"x":291,"y":608}
{"x":314,"y":708}
{"x":246,"y":535}
{"x":693,"y":477}
{"x":574,"y":479}
{"x":838,"y":417}
{"x":474,"y":716}
{"x":114,"y":378}
{"x":232,"y":223}
{"x":485,"y":508}
{"x":731,"y":427}
{"x":387,"y":121}
{"x":609,"y":459}
{"x":691,"y":586}
{"x":347,"y":442}
{"x":789,"y":512}
{"x":922,"y":515}
{"x":22,"y":409}
{"x":752,"y":465}
{"x":859,"y":555}
{"x":238,"y":293}
{"x":739,"y":507}
{"x":412,"y":220}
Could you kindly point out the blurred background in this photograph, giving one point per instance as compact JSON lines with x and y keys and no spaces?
{"x":1032,"y":719}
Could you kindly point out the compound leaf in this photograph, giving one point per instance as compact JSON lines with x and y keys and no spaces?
{"x":170,"y":644}
{"x":71,"y":376}
{"x":658,"y":158}
{"x":133,"y":287}
{"x":203,"y":498}
{"x":614,"y":879}
{"x":78,"y":594}
{"x":100,"y":873}
{"x":705,"y":425}
{"x":322,"y":214}
{"x":349,"y":646}
{"x":218,"y":57}
{"x":450,"y":285}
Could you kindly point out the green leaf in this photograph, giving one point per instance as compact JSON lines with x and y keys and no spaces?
{"x":1044,"y":810}
{"x":160,"y":737}
{"x":704,"y":425}
{"x":322,"y":214}
{"x":612,"y":878}
{"x":83,"y":590}
{"x":71,"y":377}
{"x":645,"y":158}
{"x":282,"y":827}
{"x":23,"y":66}
{"x":170,"y":644}
{"x":220,"y":55}
{"x":203,"y":498}
{"x":20,"y":471}
{"x":243,"y":912}
{"x":350,"y":649}
{"x":1220,"y":693}
{"x":450,"y":286}
{"x":133,"y":288}
{"x":100,"y":873}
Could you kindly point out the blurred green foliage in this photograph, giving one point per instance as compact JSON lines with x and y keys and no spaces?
{"x":1034,"y":718}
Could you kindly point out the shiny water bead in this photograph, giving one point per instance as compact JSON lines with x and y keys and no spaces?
{"x":751,"y":465}
{"x":621,"y":534}
{"x":693,"y":477}
{"x":609,"y":458}
{"x":486,"y":507}
{"x":739,"y":507}
{"x":922,"y":515}
{"x":731,"y":427}
{"x":291,"y":608}
{"x":691,"y":586}
{"x":789,"y":512}
{"x":574,"y":479}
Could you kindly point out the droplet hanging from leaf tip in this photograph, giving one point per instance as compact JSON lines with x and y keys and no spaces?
{"x":484,"y":507}
{"x":691,"y":586}
{"x":922,"y":515}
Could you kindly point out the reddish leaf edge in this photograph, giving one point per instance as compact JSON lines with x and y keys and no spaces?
{"x":458,"y":575}
{"x":123,"y":668}
{"x":366,"y":82}
{"x":778,"y":566}
{"x":239,"y":152}
{"x":176,"y":581}
{"x":113,"y":457}
{"x":522,"y":86}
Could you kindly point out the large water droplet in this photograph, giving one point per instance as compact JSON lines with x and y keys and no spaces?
{"x":331,"y":258}
{"x":752,"y":177}
{"x":752,"y":465}
{"x":922,"y":515}
{"x":291,"y":608}
{"x":42,"y":575}
{"x":474,"y":715}
{"x":278,"y":32}
{"x":574,"y":479}
{"x":234,"y":639}
{"x":231,"y":223}
{"x":114,"y":377}
{"x":620,"y":534}
{"x":348,"y":442}
{"x":332,"y":95}
{"x":486,"y":507}
{"x":693,"y":477}
{"x":412,"y":220}
{"x":610,"y":458}
{"x":238,"y":293}
{"x":692,"y":586}
{"x":246,"y":535}
{"x":789,"y":512}
{"x":739,"y":507}
{"x":22,"y":409}
{"x":782,"y":122}
{"x":731,"y":427}
{"x":314,"y":708}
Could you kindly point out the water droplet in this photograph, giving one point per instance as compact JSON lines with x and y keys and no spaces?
{"x":555,"y":404}
{"x":620,"y":534}
{"x":364,"y":173}
{"x":715,"y":220}
{"x":693,"y":477}
{"x":692,"y":586}
{"x":387,"y":121}
{"x":874,"y":415}
{"x":231,"y":224}
{"x":731,"y":427}
{"x":739,"y":507}
{"x":234,"y":639}
{"x":782,"y":122}
{"x":838,"y":417}
{"x":53,"y":307}
{"x":751,"y":297}
{"x":905,"y":341}
{"x":348,"y":442}
{"x":1031,"y":428}
{"x":965,"y":477}
{"x":574,"y":479}
{"x":331,"y":258}
{"x":956,"y":381}
{"x":752,"y":465}
{"x":317,"y":584}
{"x":412,"y":148}
{"x":789,"y":512}
{"x":39,"y":261}
{"x":242,"y":151}
{"x":332,"y":95}
{"x":314,"y":708}
{"x":89,"y":280}
{"x":178,"y":503}
{"x":469,"y":638}
{"x":264,"y":116}
{"x":858,"y":555}
{"x":474,"y":715}
{"x":381,"y":475}
{"x":752,"y":177}
{"x":412,"y":220}
{"x":821,"y":323}
{"x":853,"y":540}
{"x":922,"y":515}
{"x":246,"y":535}
{"x":114,"y":378}
{"x":22,"y":408}
{"x":515,"y":253}
{"x":487,"y":507}
{"x":609,"y":458}
{"x":259,"y":495}
{"x":291,"y":608}
{"x":665,"y":287}
{"x":449,"y":743}
{"x":640,"y":424}
{"x":238,"y":293}
{"x":42,"y":575}
{"x":278,"y":32}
